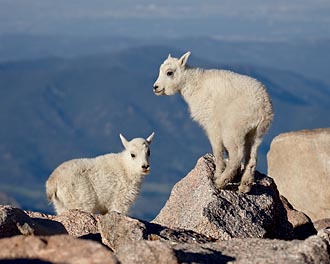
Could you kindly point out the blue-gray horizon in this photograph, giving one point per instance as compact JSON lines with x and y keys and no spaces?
{"x":223,"y":19}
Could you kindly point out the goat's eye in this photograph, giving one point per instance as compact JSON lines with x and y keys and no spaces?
{"x":169,"y":73}
{"x":148,"y":152}
{"x":133,"y":155}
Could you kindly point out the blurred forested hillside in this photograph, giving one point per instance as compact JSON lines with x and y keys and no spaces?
{"x":62,"y":103}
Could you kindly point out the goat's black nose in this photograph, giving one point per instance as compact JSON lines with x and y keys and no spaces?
{"x":155,"y":87}
{"x":145,"y":166}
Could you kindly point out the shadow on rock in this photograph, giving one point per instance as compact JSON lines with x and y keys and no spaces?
{"x":209,"y":257}
{"x":24,"y":261}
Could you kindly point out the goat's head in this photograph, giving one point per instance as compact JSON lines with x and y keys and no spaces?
{"x":137,"y":152}
{"x":171,"y":75}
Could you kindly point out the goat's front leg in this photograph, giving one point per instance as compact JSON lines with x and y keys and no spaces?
{"x":218,"y":152}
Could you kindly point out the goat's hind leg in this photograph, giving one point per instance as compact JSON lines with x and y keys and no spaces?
{"x":250,"y":164}
{"x":59,"y":207}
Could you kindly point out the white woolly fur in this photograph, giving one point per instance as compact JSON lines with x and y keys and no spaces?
{"x":235,"y":111}
{"x":106,"y":183}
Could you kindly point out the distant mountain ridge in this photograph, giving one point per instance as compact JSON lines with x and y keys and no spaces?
{"x":56,"y":109}
{"x":309,"y":57}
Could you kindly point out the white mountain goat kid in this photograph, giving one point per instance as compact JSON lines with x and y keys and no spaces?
{"x":234,"y":110}
{"x":106,"y":183}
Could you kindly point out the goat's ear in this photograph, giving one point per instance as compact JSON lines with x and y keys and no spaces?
{"x":169,"y":56}
{"x":150,"y":138}
{"x":183,"y":60}
{"x":123,"y":141}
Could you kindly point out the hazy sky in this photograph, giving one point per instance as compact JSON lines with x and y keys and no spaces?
{"x":224,"y":18}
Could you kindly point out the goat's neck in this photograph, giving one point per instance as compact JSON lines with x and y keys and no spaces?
{"x":190,"y":83}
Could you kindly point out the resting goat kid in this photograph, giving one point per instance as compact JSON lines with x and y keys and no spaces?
{"x":106,"y":183}
{"x":234,"y":110}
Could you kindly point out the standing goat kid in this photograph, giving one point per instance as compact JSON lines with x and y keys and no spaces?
{"x":234,"y":110}
{"x":106,"y":183}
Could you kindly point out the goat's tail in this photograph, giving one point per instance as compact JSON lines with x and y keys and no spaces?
{"x":51,"y":190}
{"x":267,"y":116}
